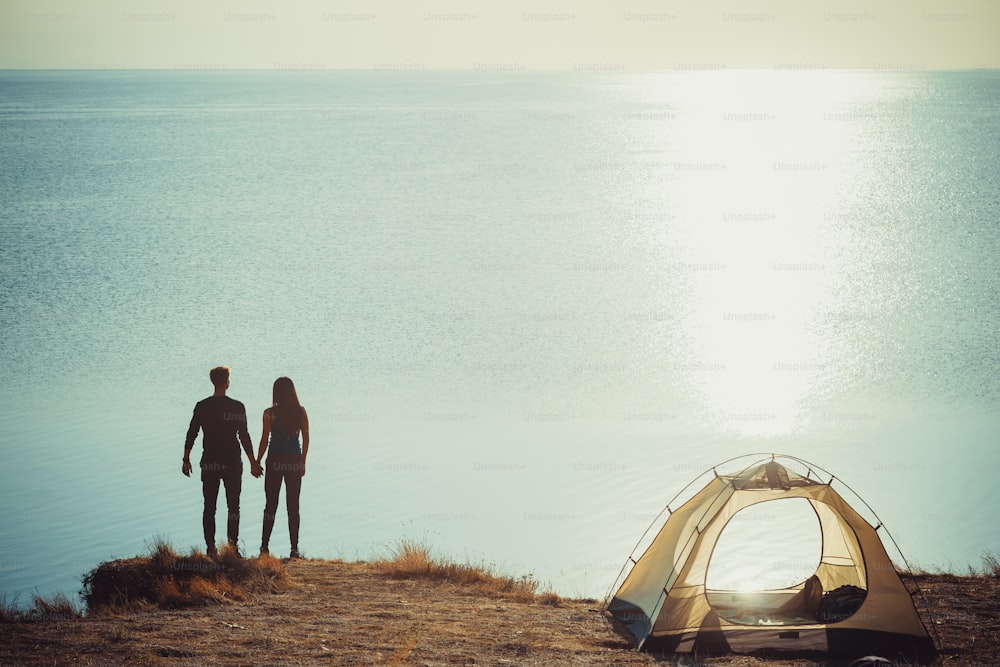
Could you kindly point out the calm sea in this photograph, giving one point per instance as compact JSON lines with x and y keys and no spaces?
{"x":523,"y":310}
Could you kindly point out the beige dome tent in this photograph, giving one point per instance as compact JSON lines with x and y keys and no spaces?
{"x":855,"y":603}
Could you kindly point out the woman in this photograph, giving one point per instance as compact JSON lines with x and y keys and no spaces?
{"x":286,"y":461}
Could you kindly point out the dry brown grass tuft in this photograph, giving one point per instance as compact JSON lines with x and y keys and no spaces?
{"x":991,"y":564}
{"x":990,"y":568}
{"x":55,"y":608}
{"x":9,"y":612}
{"x":167,"y":579}
{"x":413,"y":560}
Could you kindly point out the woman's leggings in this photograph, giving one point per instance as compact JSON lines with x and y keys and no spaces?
{"x":287,"y":468}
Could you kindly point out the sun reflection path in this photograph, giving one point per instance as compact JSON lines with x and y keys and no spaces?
{"x":758,"y":165}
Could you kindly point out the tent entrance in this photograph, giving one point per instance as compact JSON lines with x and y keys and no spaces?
{"x":760,"y":569}
{"x":767,"y":546}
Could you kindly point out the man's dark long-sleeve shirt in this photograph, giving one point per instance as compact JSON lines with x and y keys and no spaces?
{"x":223,"y":421}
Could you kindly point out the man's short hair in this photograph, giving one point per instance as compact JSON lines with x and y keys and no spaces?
{"x":219,"y":375}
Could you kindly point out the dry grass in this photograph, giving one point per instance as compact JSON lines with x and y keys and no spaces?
{"x":991,"y":564}
{"x":412,"y":560}
{"x":392,"y":650}
{"x":990,"y":567}
{"x":336,"y":613}
{"x":55,"y":608}
{"x":169,"y":580}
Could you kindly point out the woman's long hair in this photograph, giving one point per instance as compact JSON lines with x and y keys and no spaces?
{"x":287,"y":409}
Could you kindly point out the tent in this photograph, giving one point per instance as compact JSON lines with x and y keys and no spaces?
{"x":854,"y":603}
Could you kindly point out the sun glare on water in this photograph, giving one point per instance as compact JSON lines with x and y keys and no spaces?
{"x":760,"y":169}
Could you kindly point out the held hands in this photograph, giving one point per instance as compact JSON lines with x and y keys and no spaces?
{"x":255,"y":469}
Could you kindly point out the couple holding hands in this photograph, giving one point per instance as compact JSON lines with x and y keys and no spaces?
{"x":223,"y":423}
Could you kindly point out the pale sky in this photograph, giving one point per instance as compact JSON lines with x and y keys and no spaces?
{"x":491,"y":35}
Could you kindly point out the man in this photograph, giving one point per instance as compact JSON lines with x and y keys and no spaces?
{"x":223,"y":422}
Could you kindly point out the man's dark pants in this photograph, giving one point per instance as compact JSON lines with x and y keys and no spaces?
{"x":212,"y":475}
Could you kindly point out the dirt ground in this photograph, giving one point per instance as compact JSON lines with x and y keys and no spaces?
{"x":338,"y":613}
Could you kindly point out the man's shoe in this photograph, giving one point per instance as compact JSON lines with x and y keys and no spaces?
{"x":212,"y":552}
{"x":295,"y":554}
